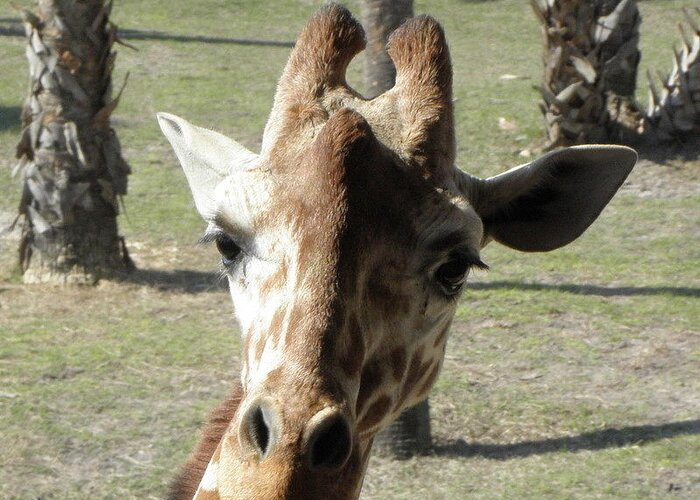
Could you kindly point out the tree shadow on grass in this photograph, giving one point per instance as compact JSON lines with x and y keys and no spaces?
{"x":595,"y":440}
{"x":179,"y":280}
{"x":9,"y":117}
{"x":133,"y":34}
{"x":14,"y":28}
{"x":685,"y":150}
{"x":603,"y":291}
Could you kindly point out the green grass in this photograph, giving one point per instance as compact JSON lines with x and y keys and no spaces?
{"x":568,"y":375}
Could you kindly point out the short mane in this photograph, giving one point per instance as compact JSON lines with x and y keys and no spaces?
{"x":185,"y":484}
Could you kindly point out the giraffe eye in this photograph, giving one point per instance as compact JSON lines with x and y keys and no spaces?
{"x":228,"y":249}
{"x":452,"y":275}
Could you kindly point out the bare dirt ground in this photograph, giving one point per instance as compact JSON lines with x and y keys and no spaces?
{"x":666,"y":172}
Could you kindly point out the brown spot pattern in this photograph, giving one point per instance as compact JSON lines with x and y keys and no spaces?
{"x":274,"y":378}
{"x":259,"y":347}
{"x":415,"y":371}
{"x":398,"y":363}
{"x":441,"y":336}
{"x":370,"y":380}
{"x":207,"y":495}
{"x":382,"y":295}
{"x":428,"y":384}
{"x":276,"y":325}
{"x":322,"y":173}
{"x":274,"y":282}
{"x":375,"y":413}
{"x":351,"y":360}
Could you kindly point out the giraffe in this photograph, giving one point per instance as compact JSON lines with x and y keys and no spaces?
{"x":347,"y":242}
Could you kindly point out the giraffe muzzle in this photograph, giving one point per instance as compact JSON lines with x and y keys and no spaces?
{"x":326,"y":442}
{"x":259,"y":429}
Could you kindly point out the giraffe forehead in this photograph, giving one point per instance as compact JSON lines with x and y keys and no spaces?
{"x":320,"y":231}
{"x":347,"y":237}
{"x":380,"y":201}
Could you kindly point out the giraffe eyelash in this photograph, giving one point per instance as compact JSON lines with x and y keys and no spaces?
{"x":479,"y":264}
{"x":210,"y":236}
{"x":221,"y":274}
{"x":231,"y":251}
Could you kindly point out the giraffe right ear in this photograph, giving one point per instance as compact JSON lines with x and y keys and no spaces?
{"x":207,"y":157}
{"x":552,"y":200}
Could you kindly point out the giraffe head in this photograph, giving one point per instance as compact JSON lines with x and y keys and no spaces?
{"x":347,"y":242}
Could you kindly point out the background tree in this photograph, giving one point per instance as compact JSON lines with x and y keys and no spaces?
{"x":72,"y":170}
{"x":590,"y":70}
{"x":410,"y":433}
{"x":380,"y":19}
{"x":674,"y":112}
{"x":591,"y":58}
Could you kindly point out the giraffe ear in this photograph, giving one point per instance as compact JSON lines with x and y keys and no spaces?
{"x":548,"y":203}
{"x":207,"y":157}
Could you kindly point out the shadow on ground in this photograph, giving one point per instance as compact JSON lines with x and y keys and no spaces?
{"x":189,"y":281}
{"x":13,"y":28}
{"x":179,"y":280}
{"x":686,"y":151}
{"x":132,"y":34}
{"x":596,"y":440}
{"x":9,"y":117}
{"x":583,"y":289}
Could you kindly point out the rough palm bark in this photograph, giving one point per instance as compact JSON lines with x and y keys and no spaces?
{"x":70,"y":162}
{"x":410,"y":433}
{"x":674,"y":112}
{"x":590,"y":76}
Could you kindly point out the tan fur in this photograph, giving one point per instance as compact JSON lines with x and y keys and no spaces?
{"x":424,"y":80}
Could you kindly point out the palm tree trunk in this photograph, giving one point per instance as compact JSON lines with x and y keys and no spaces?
{"x":410,"y":433}
{"x":674,"y":112}
{"x":590,"y":59}
{"x":380,"y":18}
{"x":69,"y":157}
{"x":407,"y":436}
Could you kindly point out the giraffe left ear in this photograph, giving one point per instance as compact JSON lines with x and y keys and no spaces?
{"x":548,"y":203}
{"x":207,"y":157}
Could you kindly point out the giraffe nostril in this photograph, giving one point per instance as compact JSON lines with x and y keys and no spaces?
{"x":259,"y":432}
{"x":329,"y":442}
{"x":258,"y":429}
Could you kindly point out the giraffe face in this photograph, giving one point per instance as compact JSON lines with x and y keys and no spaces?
{"x":344,"y":297}
{"x":342,"y":282}
{"x":346,"y":243}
